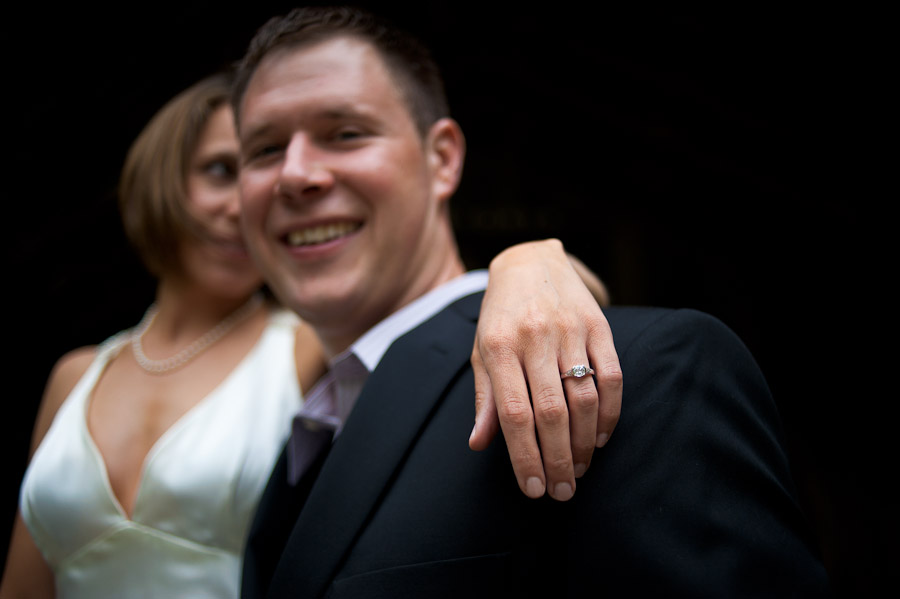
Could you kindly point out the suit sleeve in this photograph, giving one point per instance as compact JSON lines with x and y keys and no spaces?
{"x":695,"y":496}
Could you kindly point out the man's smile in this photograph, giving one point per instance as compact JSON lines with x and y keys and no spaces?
{"x":320,"y":233}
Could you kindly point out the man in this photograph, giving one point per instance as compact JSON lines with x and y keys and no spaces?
{"x":348,"y":163}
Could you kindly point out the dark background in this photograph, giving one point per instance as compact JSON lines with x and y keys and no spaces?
{"x":724,"y":161}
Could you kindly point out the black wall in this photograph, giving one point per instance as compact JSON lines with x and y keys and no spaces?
{"x":723,"y":161}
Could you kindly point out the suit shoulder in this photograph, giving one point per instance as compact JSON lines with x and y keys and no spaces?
{"x":639,"y":317}
{"x":649,"y":327}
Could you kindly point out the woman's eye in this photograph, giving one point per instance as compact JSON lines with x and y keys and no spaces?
{"x":221,"y":169}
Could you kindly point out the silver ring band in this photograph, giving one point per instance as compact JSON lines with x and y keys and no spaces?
{"x":578,"y":371}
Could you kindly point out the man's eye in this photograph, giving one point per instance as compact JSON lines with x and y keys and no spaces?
{"x":259,"y":154}
{"x":348,"y":134}
{"x":264,"y":151}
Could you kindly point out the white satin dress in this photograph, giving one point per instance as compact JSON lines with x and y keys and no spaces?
{"x":200,"y":485}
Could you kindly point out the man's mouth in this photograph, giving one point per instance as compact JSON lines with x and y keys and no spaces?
{"x":320,"y":233}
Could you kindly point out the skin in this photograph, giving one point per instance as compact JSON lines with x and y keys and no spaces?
{"x":517,"y":358}
{"x":219,"y":260}
{"x":324,"y":142}
{"x":130,"y":409}
{"x":217,"y":276}
{"x":326,"y":139}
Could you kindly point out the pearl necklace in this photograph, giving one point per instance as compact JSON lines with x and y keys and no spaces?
{"x":191,"y":351}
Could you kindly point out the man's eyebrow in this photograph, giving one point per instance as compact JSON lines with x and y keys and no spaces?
{"x":330,"y":114}
{"x":253,"y":133}
{"x":336,"y":113}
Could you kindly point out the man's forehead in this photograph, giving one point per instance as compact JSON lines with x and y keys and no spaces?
{"x":347,"y":74}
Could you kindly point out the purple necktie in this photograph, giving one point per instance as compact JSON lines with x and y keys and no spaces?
{"x":323,"y":413}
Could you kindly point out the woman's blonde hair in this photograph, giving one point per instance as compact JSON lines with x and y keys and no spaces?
{"x":152,"y":187}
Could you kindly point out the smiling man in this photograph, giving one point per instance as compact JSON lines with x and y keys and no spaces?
{"x":338,"y":184}
{"x":348,"y":163}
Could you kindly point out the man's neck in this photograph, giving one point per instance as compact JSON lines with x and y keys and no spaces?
{"x":339,"y":338}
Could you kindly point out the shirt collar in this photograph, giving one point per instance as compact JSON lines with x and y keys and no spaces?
{"x":372,"y":346}
{"x":330,"y":401}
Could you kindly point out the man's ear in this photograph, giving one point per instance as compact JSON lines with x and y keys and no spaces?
{"x":446,"y":150}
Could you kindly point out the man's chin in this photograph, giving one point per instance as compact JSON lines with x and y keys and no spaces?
{"x":320,"y":308}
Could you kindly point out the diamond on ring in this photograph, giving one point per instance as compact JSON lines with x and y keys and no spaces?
{"x":578,"y":371}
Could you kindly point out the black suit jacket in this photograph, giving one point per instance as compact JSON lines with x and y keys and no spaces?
{"x":691,"y":497}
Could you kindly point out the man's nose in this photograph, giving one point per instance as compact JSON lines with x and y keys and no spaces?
{"x":304,"y":173}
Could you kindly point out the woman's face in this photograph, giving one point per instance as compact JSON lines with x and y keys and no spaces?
{"x":218,"y":262}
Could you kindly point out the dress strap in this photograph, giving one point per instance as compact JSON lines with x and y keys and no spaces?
{"x":111,"y":347}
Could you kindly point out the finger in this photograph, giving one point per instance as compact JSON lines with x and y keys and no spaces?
{"x":551,"y":416}
{"x":487,"y":423}
{"x":583,"y":402}
{"x":510,"y":394}
{"x":608,"y":377}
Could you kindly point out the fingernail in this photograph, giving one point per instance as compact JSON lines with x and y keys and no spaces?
{"x":563,"y":492}
{"x":602,"y":438}
{"x":580,"y":469}
{"x":534,"y":488}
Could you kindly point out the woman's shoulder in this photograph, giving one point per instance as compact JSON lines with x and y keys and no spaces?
{"x":67,"y":371}
{"x":71,"y":367}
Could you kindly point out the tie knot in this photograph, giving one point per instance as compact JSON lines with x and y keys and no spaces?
{"x":324,"y":411}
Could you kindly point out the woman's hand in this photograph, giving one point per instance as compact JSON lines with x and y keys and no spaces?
{"x":538,"y":320}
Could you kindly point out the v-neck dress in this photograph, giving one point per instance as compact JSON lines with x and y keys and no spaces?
{"x":199,"y":487}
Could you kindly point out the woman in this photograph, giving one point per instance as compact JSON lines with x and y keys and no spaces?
{"x":164,"y":459}
{"x":150,"y":451}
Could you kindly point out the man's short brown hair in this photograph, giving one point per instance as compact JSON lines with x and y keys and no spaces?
{"x":407,"y":59}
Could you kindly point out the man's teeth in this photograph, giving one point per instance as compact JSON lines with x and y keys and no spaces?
{"x":320,"y":234}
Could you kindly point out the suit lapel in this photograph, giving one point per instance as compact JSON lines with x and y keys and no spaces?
{"x":280,"y":503}
{"x":395,"y":404}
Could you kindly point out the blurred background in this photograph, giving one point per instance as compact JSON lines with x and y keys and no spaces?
{"x":725,"y":161}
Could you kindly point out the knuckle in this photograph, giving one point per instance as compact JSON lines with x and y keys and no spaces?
{"x":534,"y":326}
{"x":495,"y":344}
{"x":475,"y":358}
{"x":609,"y":375}
{"x":515,"y":413}
{"x":597,"y":326}
{"x":583,"y":397}
{"x":557,"y":464}
{"x":550,"y":409}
